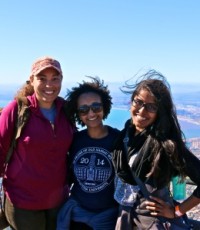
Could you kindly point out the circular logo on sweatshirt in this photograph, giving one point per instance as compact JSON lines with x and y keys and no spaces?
{"x":93,"y":169}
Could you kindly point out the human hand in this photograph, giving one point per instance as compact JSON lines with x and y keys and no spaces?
{"x":141,"y":207}
{"x":158,"y":207}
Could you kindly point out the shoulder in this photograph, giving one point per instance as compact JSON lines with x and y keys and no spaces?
{"x":81,"y":133}
{"x":113,"y":129}
{"x":10,"y":108}
{"x":113,"y":132}
{"x":9,"y":114}
{"x":79,"y":138}
{"x":60,"y":99}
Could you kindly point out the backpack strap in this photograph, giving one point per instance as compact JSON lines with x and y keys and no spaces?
{"x":23,"y":115}
{"x":139,"y":182}
{"x":22,"y":118}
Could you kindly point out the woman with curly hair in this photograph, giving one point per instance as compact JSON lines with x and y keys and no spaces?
{"x":92,"y":193}
{"x":155,"y":151}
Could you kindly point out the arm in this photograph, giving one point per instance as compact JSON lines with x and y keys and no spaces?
{"x":192,"y":170}
{"x":189,"y":203}
{"x":160,"y":207}
{"x":7,"y":121}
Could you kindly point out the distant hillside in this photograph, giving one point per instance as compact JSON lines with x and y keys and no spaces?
{"x":183,"y":94}
{"x":186,"y":99}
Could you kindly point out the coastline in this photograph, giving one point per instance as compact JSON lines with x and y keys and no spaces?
{"x":120,"y":114}
{"x":189,"y":120}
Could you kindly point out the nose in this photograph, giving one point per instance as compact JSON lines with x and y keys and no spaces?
{"x":90,"y":111}
{"x":48,"y":83}
{"x":142,"y":109}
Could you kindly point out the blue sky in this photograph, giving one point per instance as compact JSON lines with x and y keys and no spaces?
{"x":112,"y":39}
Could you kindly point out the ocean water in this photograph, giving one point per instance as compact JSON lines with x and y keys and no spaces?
{"x":118,"y":117}
{"x":3,"y":102}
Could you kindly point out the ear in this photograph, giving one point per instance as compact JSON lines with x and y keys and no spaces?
{"x":31,"y":79}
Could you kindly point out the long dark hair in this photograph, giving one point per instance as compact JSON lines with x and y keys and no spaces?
{"x":167,"y":140}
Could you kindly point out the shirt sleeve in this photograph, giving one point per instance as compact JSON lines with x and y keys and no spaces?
{"x":193,"y":170}
{"x":7,"y":128}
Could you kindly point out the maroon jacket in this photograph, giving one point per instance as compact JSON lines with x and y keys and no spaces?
{"x":36,"y":175}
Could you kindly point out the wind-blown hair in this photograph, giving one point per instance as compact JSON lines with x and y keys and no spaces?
{"x":95,"y":86}
{"x":166,"y":135}
{"x":25,"y":90}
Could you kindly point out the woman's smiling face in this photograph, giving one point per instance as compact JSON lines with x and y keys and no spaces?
{"x":143,"y":110}
{"x":47,"y":85}
{"x":92,"y":118}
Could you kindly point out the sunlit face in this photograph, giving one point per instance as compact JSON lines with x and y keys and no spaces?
{"x":143,"y":115}
{"x":94,"y":116}
{"x":47,"y":85}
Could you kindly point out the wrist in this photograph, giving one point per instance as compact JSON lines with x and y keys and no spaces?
{"x":177,"y":211}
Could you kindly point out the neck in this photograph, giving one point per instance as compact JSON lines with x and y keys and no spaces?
{"x":98,"y":133}
{"x":46,"y":105}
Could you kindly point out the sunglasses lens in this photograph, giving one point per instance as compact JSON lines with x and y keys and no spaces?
{"x":83,"y":109}
{"x":96,"y":107}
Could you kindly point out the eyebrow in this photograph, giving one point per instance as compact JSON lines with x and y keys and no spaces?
{"x":154,"y":102}
{"x":43,"y":75}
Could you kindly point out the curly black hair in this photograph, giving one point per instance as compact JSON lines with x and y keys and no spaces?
{"x":94,"y":86}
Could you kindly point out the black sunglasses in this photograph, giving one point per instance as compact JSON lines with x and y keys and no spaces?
{"x":150,"y":107}
{"x":96,"y":107}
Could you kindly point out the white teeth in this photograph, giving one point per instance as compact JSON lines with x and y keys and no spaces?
{"x":141,"y":118}
{"x":48,"y":92}
{"x":92,"y":119}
